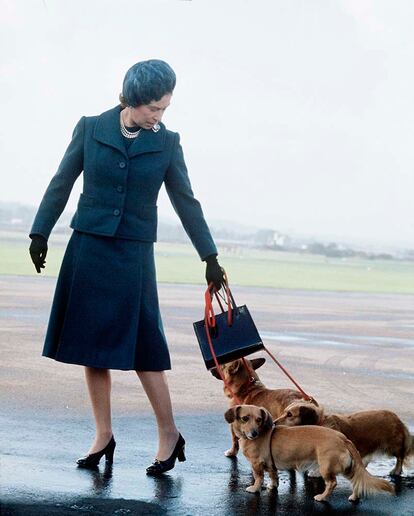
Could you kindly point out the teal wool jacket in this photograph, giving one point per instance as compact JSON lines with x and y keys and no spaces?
{"x":121,"y":186}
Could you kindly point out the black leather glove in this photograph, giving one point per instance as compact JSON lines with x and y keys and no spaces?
{"x":214,"y":273}
{"x":38,"y":251}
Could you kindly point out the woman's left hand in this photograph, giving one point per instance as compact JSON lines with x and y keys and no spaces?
{"x":214,"y":273}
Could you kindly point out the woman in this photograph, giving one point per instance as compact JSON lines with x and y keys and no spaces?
{"x":105,"y":312}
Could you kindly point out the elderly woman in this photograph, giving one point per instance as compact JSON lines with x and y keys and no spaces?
{"x":105,"y":313}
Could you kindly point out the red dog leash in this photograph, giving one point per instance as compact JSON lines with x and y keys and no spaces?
{"x":210,"y":322}
{"x":306,"y":396}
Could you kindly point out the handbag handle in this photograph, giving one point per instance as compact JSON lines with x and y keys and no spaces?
{"x":210,"y":322}
{"x":229,"y":301}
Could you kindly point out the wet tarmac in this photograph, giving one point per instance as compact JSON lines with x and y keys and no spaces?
{"x":352,"y":351}
{"x":39,"y":475}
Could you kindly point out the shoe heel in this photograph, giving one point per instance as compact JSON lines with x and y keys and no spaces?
{"x":109,"y":455}
{"x":181,"y":455}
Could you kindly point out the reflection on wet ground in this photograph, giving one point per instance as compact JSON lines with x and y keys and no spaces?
{"x":38,"y":470}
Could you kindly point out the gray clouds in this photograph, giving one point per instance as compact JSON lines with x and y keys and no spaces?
{"x":297,"y":114}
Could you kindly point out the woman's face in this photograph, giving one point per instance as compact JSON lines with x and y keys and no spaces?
{"x":148,"y":115}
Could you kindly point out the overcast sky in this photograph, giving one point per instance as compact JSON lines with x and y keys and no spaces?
{"x":293,"y":115}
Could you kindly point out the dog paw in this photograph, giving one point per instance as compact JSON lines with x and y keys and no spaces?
{"x":271,"y":485}
{"x":230,"y":453}
{"x":319,"y":498}
{"x":353,"y":498}
{"x":252,"y":489}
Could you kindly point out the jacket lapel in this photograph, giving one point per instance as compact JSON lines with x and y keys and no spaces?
{"x":148,"y":141}
{"x":107,"y":131}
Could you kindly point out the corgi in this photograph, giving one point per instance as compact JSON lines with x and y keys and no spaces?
{"x":248,"y":388}
{"x":372,"y":431}
{"x":270,"y":447}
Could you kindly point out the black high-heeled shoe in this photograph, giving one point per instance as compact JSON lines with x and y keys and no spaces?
{"x":92,"y":460}
{"x":158,"y":467}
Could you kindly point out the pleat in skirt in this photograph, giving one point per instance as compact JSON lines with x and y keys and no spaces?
{"x":105,"y":311}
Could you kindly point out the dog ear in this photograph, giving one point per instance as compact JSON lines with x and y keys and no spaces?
{"x":232,"y":414}
{"x":215,"y":373}
{"x":234,"y":366}
{"x":267,"y":420}
{"x":308,"y":416}
{"x":257,"y":362}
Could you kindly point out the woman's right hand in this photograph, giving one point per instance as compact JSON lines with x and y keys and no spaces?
{"x":38,"y":251}
{"x":214,"y":273}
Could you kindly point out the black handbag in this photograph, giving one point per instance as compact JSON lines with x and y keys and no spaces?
{"x":229,"y":335}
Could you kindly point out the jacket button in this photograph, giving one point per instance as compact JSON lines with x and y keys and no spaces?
{"x":116,"y":212}
{"x":120,"y":188}
{"x":122,"y":164}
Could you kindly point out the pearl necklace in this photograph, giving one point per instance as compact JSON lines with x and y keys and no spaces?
{"x":124,"y":130}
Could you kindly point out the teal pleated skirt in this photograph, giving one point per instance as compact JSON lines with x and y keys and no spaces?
{"x":105,"y":311}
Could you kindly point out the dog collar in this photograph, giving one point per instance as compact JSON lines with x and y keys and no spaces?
{"x":250,"y":381}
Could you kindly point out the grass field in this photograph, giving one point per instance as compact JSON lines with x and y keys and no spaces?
{"x":179,"y":263}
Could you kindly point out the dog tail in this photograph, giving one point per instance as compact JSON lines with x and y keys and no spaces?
{"x":363,"y":483}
